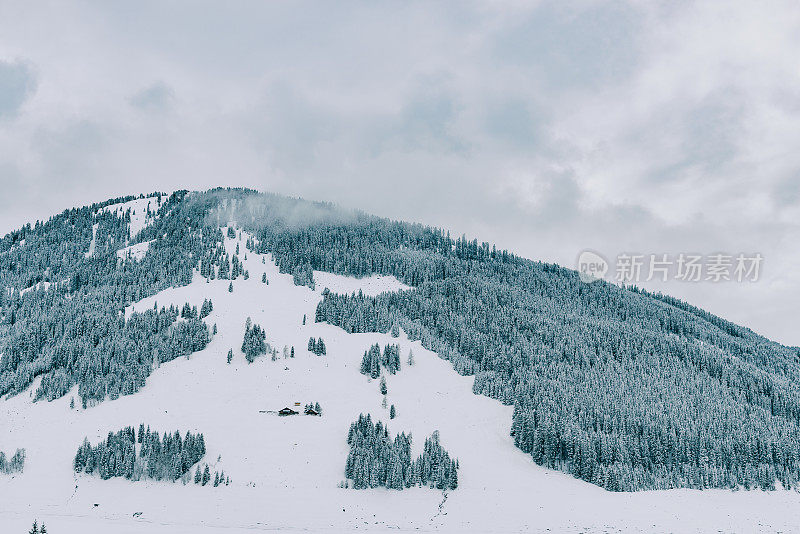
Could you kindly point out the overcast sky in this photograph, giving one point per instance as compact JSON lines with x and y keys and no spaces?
{"x":547,"y":129}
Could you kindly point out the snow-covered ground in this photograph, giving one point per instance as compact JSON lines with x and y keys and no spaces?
{"x":285,"y":470}
{"x":36,"y":287}
{"x":135,"y":252}
{"x":370,"y":286}
{"x":93,"y":242}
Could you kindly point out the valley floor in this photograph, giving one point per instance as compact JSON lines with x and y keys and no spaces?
{"x":285,"y":471}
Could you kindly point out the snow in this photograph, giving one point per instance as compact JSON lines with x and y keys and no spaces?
{"x":136,"y":251}
{"x":138,"y":207}
{"x":285,"y":470}
{"x":370,"y":286}
{"x":93,"y":242}
{"x":36,"y":287}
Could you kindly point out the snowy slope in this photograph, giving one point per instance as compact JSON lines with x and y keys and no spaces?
{"x":285,"y":471}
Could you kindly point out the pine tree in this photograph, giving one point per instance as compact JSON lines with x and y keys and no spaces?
{"x":254,"y":341}
{"x":230,"y":355}
{"x":34,"y":529}
{"x":383,"y":387}
{"x":392,"y":412}
{"x":230,"y":287}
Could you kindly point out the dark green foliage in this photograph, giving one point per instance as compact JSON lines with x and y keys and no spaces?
{"x":312,"y":408}
{"x":202,"y":476}
{"x":15,"y":465}
{"x":383,"y":388}
{"x":375,"y":460}
{"x":206,"y":309}
{"x":317,"y":346}
{"x":374,"y":360}
{"x":73,"y":332}
{"x":119,"y":362}
{"x":610,"y":386}
{"x":230,"y":355}
{"x":253,"y":344}
{"x":392,"y":412}
{"x":149,"y":456}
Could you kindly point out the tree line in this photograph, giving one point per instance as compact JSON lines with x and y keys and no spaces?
{"x":376,"y":460}
{"x":147,"y":455}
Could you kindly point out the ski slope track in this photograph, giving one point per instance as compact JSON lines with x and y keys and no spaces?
{"x":285,"y":471}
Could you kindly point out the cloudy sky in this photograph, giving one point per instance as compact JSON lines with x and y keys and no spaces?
{"x":614,"y":126}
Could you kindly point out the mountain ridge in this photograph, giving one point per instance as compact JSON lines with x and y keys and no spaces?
{"x":609,"y":384}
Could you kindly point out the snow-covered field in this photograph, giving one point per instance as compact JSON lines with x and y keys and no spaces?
{"x":285,"y":470}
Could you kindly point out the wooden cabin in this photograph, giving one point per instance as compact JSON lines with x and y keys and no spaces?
{"x":287,"y":411}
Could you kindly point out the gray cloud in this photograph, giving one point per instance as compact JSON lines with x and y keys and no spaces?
{"x":575,"y":46}
{"x":155,"y":98}
{"x":17,"y":84}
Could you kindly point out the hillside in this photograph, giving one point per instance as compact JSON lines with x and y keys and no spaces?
{"x":625,"y":390}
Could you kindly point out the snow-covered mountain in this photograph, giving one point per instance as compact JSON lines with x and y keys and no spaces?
{"x":288,"y":473}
